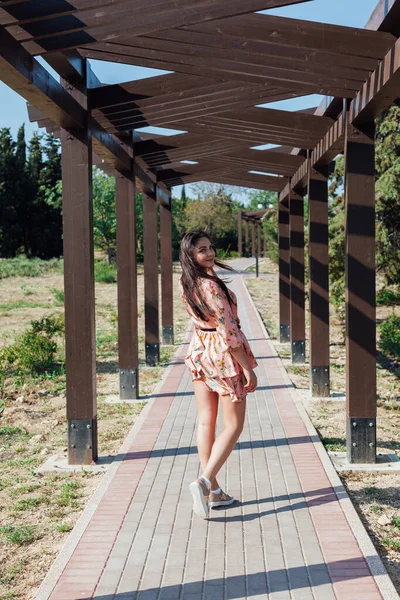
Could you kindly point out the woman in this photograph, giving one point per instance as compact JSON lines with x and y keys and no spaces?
{"x":221,"y":364}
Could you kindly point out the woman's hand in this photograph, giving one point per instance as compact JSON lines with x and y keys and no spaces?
{"x":251,"y":380}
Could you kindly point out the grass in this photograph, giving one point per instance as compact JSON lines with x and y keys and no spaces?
{"x":18,"y":534}
{"x":104,"y":273}
{"x":68,"y":493}
{"x":393,"y":544}
{"x":59,"y":296}
{"x":334,"y":444}
{"x":63,"y":527}
{"x":17,"y":304}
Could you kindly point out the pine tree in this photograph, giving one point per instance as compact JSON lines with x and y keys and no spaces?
{"x":21,"y":191}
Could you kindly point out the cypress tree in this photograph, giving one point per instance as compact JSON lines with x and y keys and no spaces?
{"x":10,"y":231}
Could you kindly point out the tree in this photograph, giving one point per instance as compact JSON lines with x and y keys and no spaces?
{"x":217,"y":214}
{"x":388,"y":194}
{"x":104,"y":214}
{"x":21,"y":183}
{"x":10,"y":229}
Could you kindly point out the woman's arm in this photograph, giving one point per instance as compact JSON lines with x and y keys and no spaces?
{"x":251,"y":378}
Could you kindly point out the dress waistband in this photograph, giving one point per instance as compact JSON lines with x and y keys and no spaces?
{"x":201,"y":329}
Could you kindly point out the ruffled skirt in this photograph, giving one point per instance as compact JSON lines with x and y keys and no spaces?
{"x":210,"y":361}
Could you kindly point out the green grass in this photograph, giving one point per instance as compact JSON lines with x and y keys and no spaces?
{"x":104,"y":273}
{"x":24,"y":489}
{"x":18,"y":534}
{"x":16,"y":304}
{"x":334,"y":444}
{"x":10,"y":430}
{"x":63,"y":527}
{"x":69,"y":493}
{"x":376,"y":508}
{"x":396,"y":522}
{"x":59,"y":296}
{"x":393,"y":544}
{"x":373,"y":492}
{"x":27,"y":503}
{"x":387,"y":298}
{"x":298,"y":370}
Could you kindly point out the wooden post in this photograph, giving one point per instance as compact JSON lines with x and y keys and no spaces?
{"x":167,"y":299}
{"x":265,"y":244}
{"x":253,"y":239}
{"x":297,"y":292}
{"x":127,"y":288}
{"x":240,"y":243}
{"x":80,"y":337}
{"x":246,"y":238}
{"x":318,"y":280}
{"x":360,"y":293}
{"x":259,"y":238}
{"x":151,"y":295}
{"x":284,"y":272}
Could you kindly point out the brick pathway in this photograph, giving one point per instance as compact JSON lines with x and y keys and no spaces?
{"x":286,"y":538}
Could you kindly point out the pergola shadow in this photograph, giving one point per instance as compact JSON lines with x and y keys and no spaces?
{"x":253,"y":584}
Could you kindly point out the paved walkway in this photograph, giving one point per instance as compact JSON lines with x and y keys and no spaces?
{"x":289,"y":536}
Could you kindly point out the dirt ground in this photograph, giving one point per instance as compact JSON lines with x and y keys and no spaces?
{"x":38,"y":512}
{"x":375,"y":496}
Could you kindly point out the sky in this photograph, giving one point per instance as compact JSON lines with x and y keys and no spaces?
{"x":353,"y":13}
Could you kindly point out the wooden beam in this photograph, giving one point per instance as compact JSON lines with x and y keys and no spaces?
{"x":80,"y":336}
{"x":318,"y":257}
{"x":128,"y":361}
{"x":167,"y":301}
{"x":380,"y":91}
{"x":284,"y":271}
{"x":151,"y":293}
{"x":26,"y":76}
{"x":360,"y":294}
{"x":297,"y":291}
{"x":116,"y":21}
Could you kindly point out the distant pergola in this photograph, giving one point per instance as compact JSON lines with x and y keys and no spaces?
{"x":226,"y":59}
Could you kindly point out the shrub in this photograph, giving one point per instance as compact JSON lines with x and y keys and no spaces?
{"x":35,"y":349}
{"x":28,"y":267}
{"x":390,"y":336}
{"x":104,"y":273}
{"x":388,"y":298}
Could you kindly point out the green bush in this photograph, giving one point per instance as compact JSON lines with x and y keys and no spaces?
{"x":29,"y":267}
{"x":390,"y":336}
{"x":337,"y":293}
{"x":104,"y":273}
{"x":34,"y":351}
{"x":388,"y":298}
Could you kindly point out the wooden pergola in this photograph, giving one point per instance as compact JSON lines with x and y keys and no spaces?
{"x":226,"y":59}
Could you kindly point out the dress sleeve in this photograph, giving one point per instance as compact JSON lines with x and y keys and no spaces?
{"x":226,"y":324}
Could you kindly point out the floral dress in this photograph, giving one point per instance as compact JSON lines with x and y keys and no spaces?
{"x":209,"y":358}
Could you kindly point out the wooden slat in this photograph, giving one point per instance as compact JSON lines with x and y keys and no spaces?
{"x":126,"y":19}
{"x":380,"y":91}
{"x":224,"y":69}
{"x":303,"y":34}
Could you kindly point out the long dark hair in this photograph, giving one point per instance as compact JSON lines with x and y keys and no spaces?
{"x":192,"y":272}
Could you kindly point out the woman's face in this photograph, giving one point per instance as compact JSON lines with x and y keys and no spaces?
{"x":204,"y":253}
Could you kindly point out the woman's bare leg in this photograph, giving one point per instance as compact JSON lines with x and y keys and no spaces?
{"x":207,"y":408}
{"x":233,"y":418}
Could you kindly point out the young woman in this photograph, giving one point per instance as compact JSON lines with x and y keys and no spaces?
{"x":220,"y":361}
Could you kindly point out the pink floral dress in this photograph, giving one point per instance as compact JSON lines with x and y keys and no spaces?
{"x":209,"y":358}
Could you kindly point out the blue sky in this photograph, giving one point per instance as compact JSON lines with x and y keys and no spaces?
{"x":354,"y":13}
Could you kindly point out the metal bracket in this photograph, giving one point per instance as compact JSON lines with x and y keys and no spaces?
{"x":168,"y":335}
{"x":361,"y":440}
{"x":285,"y":334}
{"x":128,"y":384}
{"x":320,"y":381}
{"x":82,"y":441}
{"x":298,"y":352}
{"x":152,"y":354}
